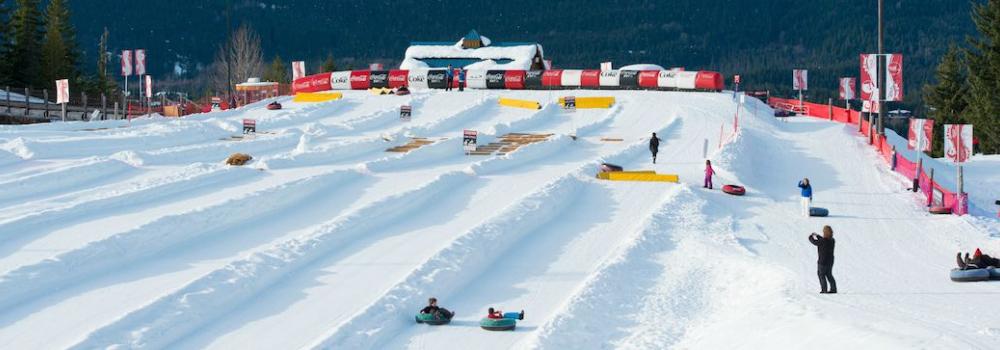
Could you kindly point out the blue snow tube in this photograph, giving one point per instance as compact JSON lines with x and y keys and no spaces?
{"x":817,"y":211}
{"x":498,"y":324}
{"x":970,"y":275}
{"x":994,"y":273}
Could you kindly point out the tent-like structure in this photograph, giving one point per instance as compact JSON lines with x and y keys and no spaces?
{"x":474,"y":51}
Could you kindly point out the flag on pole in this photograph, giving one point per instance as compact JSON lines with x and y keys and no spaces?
{"x":62,"y":91}
{"x":149,"y":86}
{"x":920,"y":135}
{"x":957,"y":142}
{"x":126,"y":63}
{"x":606,"y":66}
{"x":298,"y":70}
{"x":847,"y":86}
{"x":140,"y":62}
{"x":800,"y":79}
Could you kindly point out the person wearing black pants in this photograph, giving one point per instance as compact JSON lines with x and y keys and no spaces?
{"x":824,"y":265}
{"x":449,"y":77}
{"x":654,"y":146}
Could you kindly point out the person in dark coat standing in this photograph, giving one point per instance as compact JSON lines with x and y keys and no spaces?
{"x":449,"y":76}
{"x":824,"y":265}
{"x":461,"y":80}
{"x":654,"y":146}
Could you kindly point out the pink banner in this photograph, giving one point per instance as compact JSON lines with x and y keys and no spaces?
{"x":920,"y":134}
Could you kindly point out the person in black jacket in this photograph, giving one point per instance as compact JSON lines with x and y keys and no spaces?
{"x":654,"y":146}
{"x":433,"y":309}
{"x":824,"y":265}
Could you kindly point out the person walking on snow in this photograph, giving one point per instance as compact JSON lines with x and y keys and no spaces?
{"x":824,"y":264}
{"x":654,"y":146}
{"x":807,"y":196}
{"x":708,"y":174}
{"x":449,"y":76}
{"x":461,"y":80}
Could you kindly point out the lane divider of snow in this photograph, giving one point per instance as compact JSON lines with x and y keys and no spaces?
{"x":169,"y":318}
{"x":55,"y":182}
{"x":102,"y":257}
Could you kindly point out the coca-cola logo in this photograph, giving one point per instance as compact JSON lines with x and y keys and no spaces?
{"x":590,"y":74}
{"x":359,"y":78}
{"x":609,"y":74}
{"x":397,"y":78}
{"x":514,"y":78}
{"x":379,"y":76}
{"x":667,"y":74}
{"x":341,"y":79}
{"x":436,"y":76}
{"x":495,"y":76}
{"x":417,"y":78}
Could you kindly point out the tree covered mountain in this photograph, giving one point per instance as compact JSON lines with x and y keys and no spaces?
{"x":762,"y":40}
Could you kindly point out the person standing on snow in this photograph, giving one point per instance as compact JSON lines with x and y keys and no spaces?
{"x":824,"y":264}
{"x":449,"y":76}
{"x":807,"y":196}
{"x":708,"y":174}
{"x":461,"y":80}
{"x":654,"y":146}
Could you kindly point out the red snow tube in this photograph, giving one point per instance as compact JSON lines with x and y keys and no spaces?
{"x":940,"y":210}
{"x":735,"y":190}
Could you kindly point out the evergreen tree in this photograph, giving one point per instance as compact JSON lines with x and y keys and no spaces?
{"x":277,"y":71}
{"x":59,"y":52}
{"x":4,"y":40}
{"x":328,"y":64}
{"x":26,"y":36}
{"x":984,"y":76}
{"x":946,"y":99}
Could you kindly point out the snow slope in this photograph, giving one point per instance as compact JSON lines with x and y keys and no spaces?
{"x":136,"y":236}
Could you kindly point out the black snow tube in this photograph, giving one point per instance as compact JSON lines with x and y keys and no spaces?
{"x":970,"y":275}
{"x":435,"y":319}
{"x":607,"y":167}
{"x":817,"y":211}
{"x":735,"y":190}
{"x":498,"y":324}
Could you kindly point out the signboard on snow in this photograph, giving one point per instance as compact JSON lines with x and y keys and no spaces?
{"x":405,"y":112}
{"x":469,"y":140}
{"x":800,"y":79}
{"x":957,"y":142}
{"x":149,"y":86}
{"x":569,"y":103}
{"x":870,"y":106}
{"x":126,"y":63}
{"x":62,"y":91}
{"x":298,"y":70}
{"x":920,"y":135}
{"x":140,"y":62}
{"x":847,"y":86}
{"x":249,"y":126}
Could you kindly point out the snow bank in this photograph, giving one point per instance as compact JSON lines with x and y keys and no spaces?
{"x":521,"y":55}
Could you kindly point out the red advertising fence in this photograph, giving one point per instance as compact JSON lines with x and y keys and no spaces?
{"x":936,"y":194}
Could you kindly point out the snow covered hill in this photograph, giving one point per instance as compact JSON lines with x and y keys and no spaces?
{"x":138,"y":236}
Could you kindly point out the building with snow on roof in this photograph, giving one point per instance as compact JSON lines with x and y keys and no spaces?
{"x":474,"y":52}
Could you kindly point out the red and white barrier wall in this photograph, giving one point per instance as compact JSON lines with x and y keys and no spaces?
{"x":513,"y":80}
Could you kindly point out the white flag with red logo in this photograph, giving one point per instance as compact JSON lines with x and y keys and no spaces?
{"x":62,"y":91}
{"x":298,"y":70}
{"x":920,"y":135}
{"x":800,"y":79}
{"x":957,"y":142}
{"x":894,"y":77}
{"x":606,"y":66}
{"x":870,"y":106}
{"x":847,"y":89}
{"x":126,"y":63}
{"x":140,"y":62}
{"x":149,"y":86}
{"x":736,"y":79}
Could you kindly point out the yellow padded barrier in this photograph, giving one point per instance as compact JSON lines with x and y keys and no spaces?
{"x":647,"y":175}
{"x":510,"y":102}
{"x":590,"y":102}
{"x":317,"y":96}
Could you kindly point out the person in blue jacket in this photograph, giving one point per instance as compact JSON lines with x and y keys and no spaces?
{"x":807,"y":196}
{"x":449,"y":77}
{"x":461,"y":80}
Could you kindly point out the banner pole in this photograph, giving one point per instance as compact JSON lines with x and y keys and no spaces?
{"x":961,"y":188}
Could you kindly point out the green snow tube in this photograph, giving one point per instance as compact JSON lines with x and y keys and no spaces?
{"x":498,"y":324}
{"x":435,"y":319}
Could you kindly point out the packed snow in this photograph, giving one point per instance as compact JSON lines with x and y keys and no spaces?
{"x":121,"y":235}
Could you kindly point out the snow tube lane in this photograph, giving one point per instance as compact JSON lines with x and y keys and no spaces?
{"x":64,"y":180}
{"x":165,"y":321}
{"x":126,"y":249}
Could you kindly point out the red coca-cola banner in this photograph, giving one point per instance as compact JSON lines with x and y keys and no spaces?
{"x":359,"y":79}
{"x":398,"y":78}
{"x":552,"y":78}
{"x":706,"y":80}
{"x":514,"y":79}
{"x":648,"y":78}
{"x":312,"y":83}
{"x":590,"y":78}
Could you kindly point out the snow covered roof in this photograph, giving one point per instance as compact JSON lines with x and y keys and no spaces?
{"x":517,"y":55}
{"x":643,"y":66}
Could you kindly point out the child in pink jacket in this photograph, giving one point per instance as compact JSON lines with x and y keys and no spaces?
{"x":708,"y":174}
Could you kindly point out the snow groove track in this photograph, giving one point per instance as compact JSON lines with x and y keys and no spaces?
{"x":60,"y":181}
{"x":119,"y":251}
{"x":163,"y":322}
